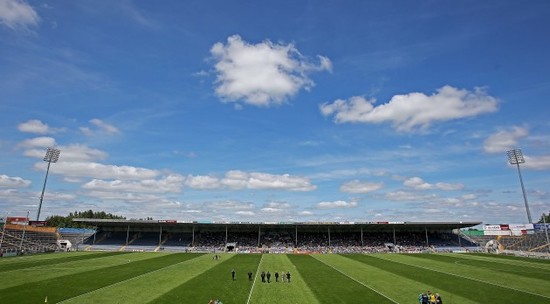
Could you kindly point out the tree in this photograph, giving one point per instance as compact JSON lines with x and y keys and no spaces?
{"x":546,"y":218}
{"x":67,"y":221}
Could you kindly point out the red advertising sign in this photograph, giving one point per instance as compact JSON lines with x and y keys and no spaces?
{"x":19,"y":220}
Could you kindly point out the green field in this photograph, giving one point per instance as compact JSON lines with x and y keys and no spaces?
{"x":116,"y":277}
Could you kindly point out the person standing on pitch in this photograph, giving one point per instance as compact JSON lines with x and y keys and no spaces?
{"x":288,"y":276}
{"x":283,"y":275}
{"x":269,"y":277}
{"x":250,"y":275}
{"x":233,"y":274}
{"x":276,"y":276}
{"x":438,"y":299}
{"x":263,"y":276}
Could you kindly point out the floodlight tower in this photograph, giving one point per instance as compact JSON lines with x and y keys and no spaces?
{"x":52,"y":156}
{"x":515,"y":157}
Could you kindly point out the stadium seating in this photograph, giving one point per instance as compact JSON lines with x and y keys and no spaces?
{"x":20,"y":239}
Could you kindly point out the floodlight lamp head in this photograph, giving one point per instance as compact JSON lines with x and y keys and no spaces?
{"x":515,"y":157}
{"x":52,"y":155}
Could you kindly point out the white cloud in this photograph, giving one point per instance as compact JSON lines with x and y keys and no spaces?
{"x":99,"y":171}
{"x":70,"y":153}
{"x":87,"y":131}
{"x":202,"y":182}
{"x":134,"y":13}
{"x":414,"y":110}
{"x":256,"y":180}
{"x":469,"y":196}
{"x":419,"y":184}
{"x":170,"y":184}
{"x":276,"y":207}
{"x":17,"y":14}
{"x":502,"y":141}
{"x":537,"y":162}
{"x":409,"y":196}
{"x":336,"y":205}
{"x":229,"y":205}
{"x":78,"y":152}
{"x":236,"y":180}
{"x":105,"y":127}
{"x":449,"y":187}
{"x":35,"y":126}
{"x":248,"y":213}
{"x":262,"y":74}
{"x":13,"y":182}
{"x":132,"y":198}
{"x":38,"y":142}
{"x":356,"y":186}
{"x":102,"y":128}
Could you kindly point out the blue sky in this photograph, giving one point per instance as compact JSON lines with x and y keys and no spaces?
{"x":276,"y":110}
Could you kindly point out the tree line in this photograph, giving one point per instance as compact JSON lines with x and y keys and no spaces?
{"x":67,"y":221}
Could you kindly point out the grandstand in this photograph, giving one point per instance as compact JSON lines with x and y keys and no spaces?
{"x":305,"y":237}
{"x":21,"y":236}
{"x":283,"y":237}
{"x":514,"y":239}
{"x":16,"y":239}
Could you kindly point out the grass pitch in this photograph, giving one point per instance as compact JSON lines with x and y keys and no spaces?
{"x":116,"y":277}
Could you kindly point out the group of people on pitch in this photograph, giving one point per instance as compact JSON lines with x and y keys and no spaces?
{"x":266,"y":277}
{"x":429,"y":298}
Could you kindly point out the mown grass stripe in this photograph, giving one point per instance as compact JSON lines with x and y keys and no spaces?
{"x":125,"y":281}
{"x":330,"y":286}
{"x":386,"y":282}
{"x":369,"y":287}
{"x":149,"y":286}
{"x":513,"y":261}
{"x":522,"y":290}
{"x":470,"y":288}
{"x":510,"y":280}
{"x":216,"y":283}
{"x":41,"y":273}
{"x":295,"y":292}
{"x":254,"y":282}
{"x":508,"y":257}
{"x":68,"y":286}
{"x":61,"y":258}
{"x":528,"y":272}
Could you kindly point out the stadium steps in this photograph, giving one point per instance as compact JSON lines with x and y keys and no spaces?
{"x":161,"y":244}
{"x":539,"y":248}
{"x":101,"y":239}
{"x":134,"y":237}
{"x":467,"y":238}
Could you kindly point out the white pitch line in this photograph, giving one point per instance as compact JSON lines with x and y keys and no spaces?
{"x":465,"y":277}
{"x":127,"y":280}
{"x":255,"y":277}
{"x":465,"y":264}
{"x":385,"y":296}
{"x":512,"y":263}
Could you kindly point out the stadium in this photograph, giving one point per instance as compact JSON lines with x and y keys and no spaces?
{"x":331,"y":262}
{"x":287,"y":152}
